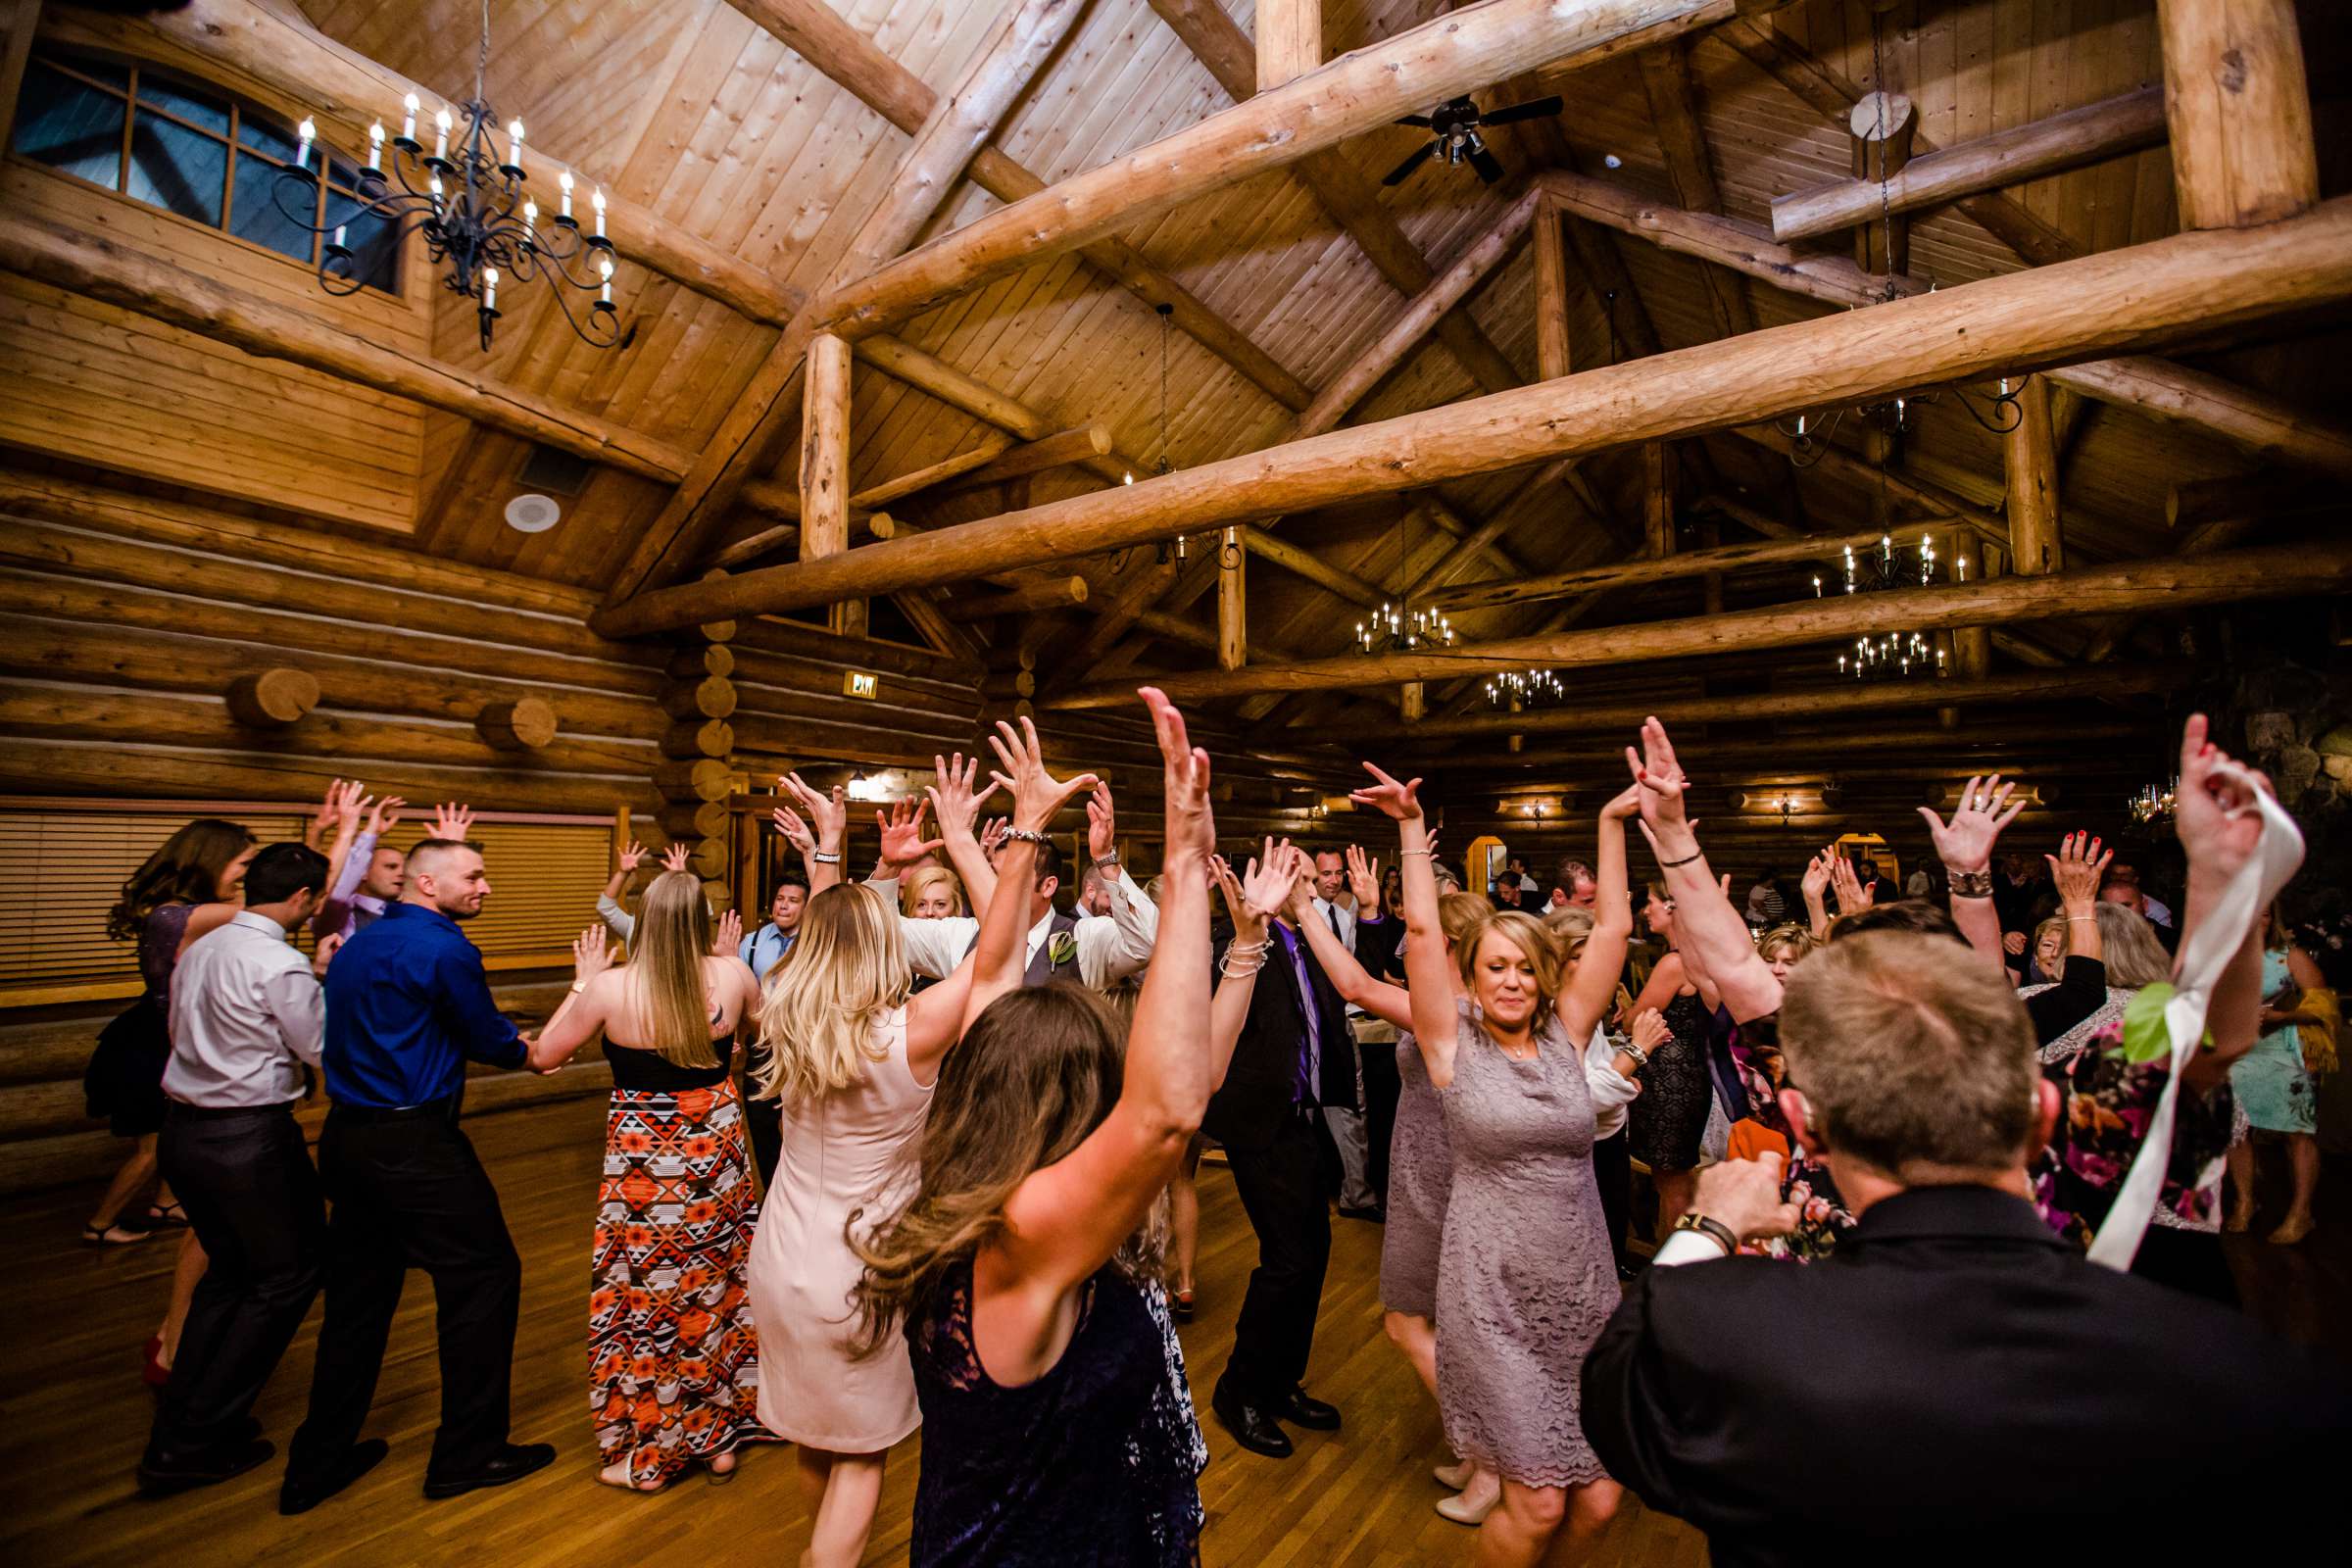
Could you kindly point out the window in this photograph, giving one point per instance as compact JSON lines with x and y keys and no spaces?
{"x":199,"y":155}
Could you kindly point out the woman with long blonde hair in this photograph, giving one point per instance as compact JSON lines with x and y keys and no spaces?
{"x":673,"y":1369}
{"x":854,"y":1055}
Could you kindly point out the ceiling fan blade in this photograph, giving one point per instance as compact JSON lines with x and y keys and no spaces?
{"x":1489,"y":167}
{"x":1535,"y":109}
{"x":1404,"y":170}
{"x":1421,"y":120}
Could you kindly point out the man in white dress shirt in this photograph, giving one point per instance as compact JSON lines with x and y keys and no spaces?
{"x":1097,"y":950}
{"x":247,"y":1022}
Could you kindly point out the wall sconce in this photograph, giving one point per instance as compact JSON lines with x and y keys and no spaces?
{"x":1784,"y":803}
{"x":868,"y":787}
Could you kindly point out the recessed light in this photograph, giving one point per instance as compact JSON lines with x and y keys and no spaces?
{"x":533,"y":513}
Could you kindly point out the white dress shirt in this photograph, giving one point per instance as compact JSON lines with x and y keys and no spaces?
{"x":246,"y":1014}
{"x":1110,"y":947}
{"x":1610,"y":1088}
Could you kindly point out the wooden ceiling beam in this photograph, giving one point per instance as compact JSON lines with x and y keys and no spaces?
{"x":1670,"y":568}
{"x":1062,"y":449}
{"x":1355,"y":93}
{"x":1344,"y":192}
{"x":927,"y":372}
{"x":2170,"y":583}
{"x":2145,"y":384}
{"x":2240,"y":111}
{"x":2091,"y":134}
{"x":101,"y":269}
{"x":818,"y":34}
{"x":2020,"y":321}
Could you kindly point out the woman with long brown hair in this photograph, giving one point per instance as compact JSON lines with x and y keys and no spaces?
{"x":1023,"y":1268}
{"x":672,"y":1358}
{"x":854,"y":1056}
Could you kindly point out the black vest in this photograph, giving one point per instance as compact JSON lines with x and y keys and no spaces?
{"x":1041,"y":966}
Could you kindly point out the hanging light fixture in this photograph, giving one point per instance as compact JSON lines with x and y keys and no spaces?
{"x":2154,"y":803}
{"x":1517,"y":690}
{"x":1169,"y":549}
{"x":1398,"y":628}
{"x":469,"y":205}
{"x":1889,"y":567}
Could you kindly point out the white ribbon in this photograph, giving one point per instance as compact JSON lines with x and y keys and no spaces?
{"x":2205,"y":952}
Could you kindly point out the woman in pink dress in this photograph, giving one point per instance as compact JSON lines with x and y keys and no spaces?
{"x":854,"y":1058}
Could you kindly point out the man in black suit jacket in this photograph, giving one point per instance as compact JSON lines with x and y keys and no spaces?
{"x":1956,"y":1382}
{"x":1295,"y":1056}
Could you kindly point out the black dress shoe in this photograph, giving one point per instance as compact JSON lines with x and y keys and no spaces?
{"x":1374,"y":1213}
{"x":1300,"y":1410}
{"x":163,"y":1474}
{"x":1254,"y":1428}
{"x":514,"y":1462}
{"x":302,"y":1494}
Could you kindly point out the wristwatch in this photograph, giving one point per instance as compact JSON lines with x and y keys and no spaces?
{"x":1113,"y":859}
{"x":1714,"y":1230}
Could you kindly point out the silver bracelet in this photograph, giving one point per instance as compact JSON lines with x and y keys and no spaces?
{"x":1227,"y":969}
{"x":823,"y":858}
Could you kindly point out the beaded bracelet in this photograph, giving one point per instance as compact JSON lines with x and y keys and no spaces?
{"x":1970,"y":884}
{"x":1027,"y":835}
{"x":824,"y":858}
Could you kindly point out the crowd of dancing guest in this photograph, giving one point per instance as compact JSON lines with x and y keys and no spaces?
{"x":915,"y":1152}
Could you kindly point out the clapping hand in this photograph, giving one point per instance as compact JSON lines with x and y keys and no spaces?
{"x":730,"y":935}
{"x":1400,"y":802}
{"x":953,"y":799}
{"x":1965,"y":843}
{"x":1184,"y":781}
{"x":1363,"y":878}
{"x":452,"y":820}
{"x":902,"y":841}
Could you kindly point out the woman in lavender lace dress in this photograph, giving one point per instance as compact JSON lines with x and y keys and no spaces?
{"x":1524,"y":1274}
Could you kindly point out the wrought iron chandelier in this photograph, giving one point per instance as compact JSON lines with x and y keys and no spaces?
{"x":2154,"y":803}
{"x":1889,"y":567}
{"x":1517,"y":690}
{"x":1809,"y":432}
{"x":470,"y":206}
{"x":1399,"y":628}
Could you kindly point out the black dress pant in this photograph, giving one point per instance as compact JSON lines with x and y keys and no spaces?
{"x":1613,"y":1174}
{"x":763,"y":1122}
{"x":409,"y":1192}
{"x":1382,"y":1086}
{"x":1282,"y":1187}
{"x":253,"y":1200}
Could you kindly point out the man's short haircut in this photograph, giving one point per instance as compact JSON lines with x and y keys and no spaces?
{"x":1912,"y":1056}
{"x":1569,"y":871}
{"x":791,"y":876}
{"x":425,"y":854}
{"x":280,"y":870}
{"x":1049,"y":861}
{"x":1917,"y":915}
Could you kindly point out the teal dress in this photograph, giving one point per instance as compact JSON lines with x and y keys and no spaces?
{"x":2271,"y":1081}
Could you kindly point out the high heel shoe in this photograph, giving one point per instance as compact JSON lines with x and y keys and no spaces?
{"x":1456,"y":1476}
{"x":1180,"y":1304}
{"x":1476,"y":1500}
{"x":716,"y":1477}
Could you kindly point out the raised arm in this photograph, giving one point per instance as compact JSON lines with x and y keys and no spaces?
{"x":1704,"y":921}
{"x":346,"y":807}
{"x":820,"y":838}
{"x":1965,"y":847}
{"x":1251,"y":902}
{"x":1065,"y":1221}
{"x":1816,"y":887}
{"x":956,"y":805}
{"x":998,"y":959}
{"x":1345,"y":972}
{"x":1112,"y":946}
{"x":1585,"y":1000}
{"x":582,"y":1013}
{"x":1428,"y":971}
{"x":2221,"y":828}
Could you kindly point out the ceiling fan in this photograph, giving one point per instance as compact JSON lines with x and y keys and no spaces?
{"x":1453,"y":132}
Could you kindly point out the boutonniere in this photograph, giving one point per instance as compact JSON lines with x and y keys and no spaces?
{"x":1061,"y":949}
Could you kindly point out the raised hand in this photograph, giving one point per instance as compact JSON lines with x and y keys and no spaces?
{"x":992,"y":837}
{"x":1965,"y":843}
{"x":953,"y":799}
{"x":1363,"y":878}
{"x":1660,"y":775}
{"x":323,"y":815}
{"x":730,"y":935}
{"x":632,"y":855}
{"x":902,"y":841}
{"x":2214,"y":814}
{"x":590,"y":956}
{"x":1102,"y":822}
{"x":1400,"y":802}
{"x":1624,"y":804}
{"x":673,"y":858}
{"x":1036,"y":794}
{"x":452,"y":820}
{"x":1819,"y":871}
{"x":349,"y":805}
{"x":2076,"y":870}
{"x":385,"y":815}
{"x":1269,"y":882}
{"x":1184,"y":774}
{"x":828,"y":814}
{"x":1852,"y":893}
{"x":795,"y":830}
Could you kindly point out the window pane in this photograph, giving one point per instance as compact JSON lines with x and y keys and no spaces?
{"x":189,"y":106}
{"x":68,"y":126}
{"x":371,"y":240}
{"x":257,"y":132}
{"x":261,"y":210}
{"x":177,"y":168}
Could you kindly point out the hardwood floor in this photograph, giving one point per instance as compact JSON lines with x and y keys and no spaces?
{"x":75,"y":1415}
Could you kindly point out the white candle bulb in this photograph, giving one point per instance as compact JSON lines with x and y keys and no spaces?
{"x":489,"y":288}
{"x":435,"y":189}
{"x":407,"y":124}
{"x":375,"y":146}
{"x":515,"y":142}
{"x":598,"y":202}
{"x":309,"y":132}
{"x":565,"y":180}
{"x":441,"y":124}
{"x":339,"y":228}
{"x":530,"y":215}
{"x":607,"y":272}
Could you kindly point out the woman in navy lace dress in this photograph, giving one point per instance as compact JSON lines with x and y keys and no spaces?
{"x":1057,"y":1428}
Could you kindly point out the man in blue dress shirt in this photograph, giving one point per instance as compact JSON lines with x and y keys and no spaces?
{"x":407,"y":1006}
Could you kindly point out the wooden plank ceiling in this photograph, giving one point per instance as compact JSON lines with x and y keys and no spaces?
{"x":689,"y":109}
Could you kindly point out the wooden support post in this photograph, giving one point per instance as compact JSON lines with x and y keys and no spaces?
{"x":2241,"y":112}
{"x":1233,"y":602}
{"x":2172,"y":583}
{"x":1881,"y":125}
{"x":1657,"y":500}
{"x":1412,"y":702}
{"x":519,"y":726}
{"x":2179,"y":287}
{"x":2086,"y":135}
{"x":2030,"y":459}
{"x":1551,"y":294}
{"x":1290,"y":40}
{"x":825,"y":455}
{"x":273,"y":698}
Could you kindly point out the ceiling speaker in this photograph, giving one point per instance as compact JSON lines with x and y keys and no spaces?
{"x":532,"y":513}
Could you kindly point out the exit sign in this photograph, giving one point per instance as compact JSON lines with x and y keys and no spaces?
{"x":859,"y":683}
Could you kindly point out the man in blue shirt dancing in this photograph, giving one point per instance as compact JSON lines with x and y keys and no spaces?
{"x":407,"y":1006}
